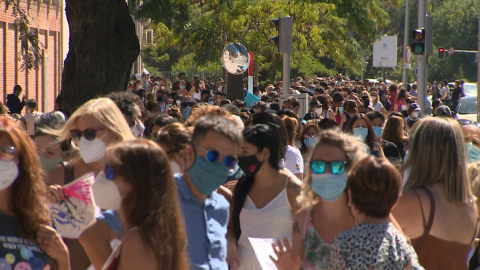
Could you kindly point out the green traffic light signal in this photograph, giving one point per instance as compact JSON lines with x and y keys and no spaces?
{"x":418,"y":48}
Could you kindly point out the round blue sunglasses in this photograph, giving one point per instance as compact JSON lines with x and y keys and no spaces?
{"x":213,"y":156}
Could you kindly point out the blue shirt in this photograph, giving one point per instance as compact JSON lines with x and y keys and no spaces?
{"x":206,"y":226}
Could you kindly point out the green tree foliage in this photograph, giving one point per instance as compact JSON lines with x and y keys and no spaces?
{"x":29,"y":44}
{"x":329,"y":36}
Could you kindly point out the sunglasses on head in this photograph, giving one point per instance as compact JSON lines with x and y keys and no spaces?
{"x":7,"y":152}
{"x":89,"y":134}
{"x":213,"y":156}
{"x":109,"y":172}
{"x":336,"y":167}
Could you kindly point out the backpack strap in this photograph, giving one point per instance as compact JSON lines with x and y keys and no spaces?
{"x":69,"y":171}
{"x":430,"y":220}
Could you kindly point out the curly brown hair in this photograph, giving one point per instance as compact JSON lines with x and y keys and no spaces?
{"x":28,"y":193}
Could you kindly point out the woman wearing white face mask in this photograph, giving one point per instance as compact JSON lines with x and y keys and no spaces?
{"x":137,"y":181}
{"x":173,"y":138}
{"x":95,"y":125}
{"x":377,"y":105}
{"x":25,"y":236}
{"x":361,"y":127}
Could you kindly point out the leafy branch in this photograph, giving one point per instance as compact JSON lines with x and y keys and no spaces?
{"x":30,"y":54}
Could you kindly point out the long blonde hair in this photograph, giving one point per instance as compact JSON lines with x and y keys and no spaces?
{"x":106,"y":112}
{"x":437,"y":155}
{"x":354,"y":149}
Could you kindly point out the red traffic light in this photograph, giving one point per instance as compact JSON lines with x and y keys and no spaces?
{"x":441,"y":50}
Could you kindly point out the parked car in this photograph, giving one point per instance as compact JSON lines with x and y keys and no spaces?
{"x":470,"y":89}
{"x":467,"y":109}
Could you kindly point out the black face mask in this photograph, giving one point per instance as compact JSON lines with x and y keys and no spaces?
{"x":250,"y":165}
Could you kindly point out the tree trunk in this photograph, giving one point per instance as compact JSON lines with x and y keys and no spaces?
{"x":102,"y":48}
{"x":235,"y":87}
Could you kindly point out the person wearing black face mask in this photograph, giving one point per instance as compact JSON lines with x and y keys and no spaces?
{"x":265,"y":196}
{"x":366,"y":105}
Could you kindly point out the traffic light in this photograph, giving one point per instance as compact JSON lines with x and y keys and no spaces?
{"x":418,"y":45}
{"x":441,"y":53}
{"x":284,"y":39}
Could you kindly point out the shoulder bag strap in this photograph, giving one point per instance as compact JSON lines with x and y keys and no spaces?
{"x":430,"y":220}
{"x":69,"y":171}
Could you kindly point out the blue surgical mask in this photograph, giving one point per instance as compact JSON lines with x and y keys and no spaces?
{"x":329,"y":186}
{"x":207,"y":176}
{"x":341,"y":109}
{"x":473,"y":152}
{"x":378,"y":131}
{"x":186,"y":112}
{"x":210,"y":102}
{"x":360,"y":132}
{"x":182,"y":87}
{"x":288,"y":110}
{"x":309,"y":142}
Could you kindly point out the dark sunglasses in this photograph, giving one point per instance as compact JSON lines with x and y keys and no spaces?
{"x":311,"y":135}
{"x":7,"y":152}
{"x":109,"y":172}
{"x":89,"y":134}
{"x":336,"y":167}
{"x":213,"y":156}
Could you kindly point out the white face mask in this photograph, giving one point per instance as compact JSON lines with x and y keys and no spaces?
{"x":92,"y":151}
{"x":220,"y":87}
{"x":318,"y":111}
{"x":404,"y":107}
{"x":374,"y":98}
{"x":138,"y":129}
{"x":106,"y":193}
{"x":175,"y":167}
{"x":8,"y":173}
{"x":415,"y":114}
{"x":163,"y":87}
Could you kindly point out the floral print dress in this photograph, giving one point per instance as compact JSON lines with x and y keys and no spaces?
{"x":317,"y":251}
{"x":372,"y":246}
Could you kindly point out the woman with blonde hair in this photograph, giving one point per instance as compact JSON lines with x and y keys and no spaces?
{"x":437,"y":209}
{"x":26,"y":239}
{"x":325,"y":212}
{"x":293,"y":158}
{"x":140,"y":179}
{"x":92,"y":127}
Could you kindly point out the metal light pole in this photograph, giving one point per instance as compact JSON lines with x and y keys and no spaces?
{"x":421,"y":61}
{"x":405,"y":44}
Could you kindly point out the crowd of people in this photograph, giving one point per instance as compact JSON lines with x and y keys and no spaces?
{"x":186,"y":178}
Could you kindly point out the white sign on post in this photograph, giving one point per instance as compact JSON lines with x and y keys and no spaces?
{"x":385,"y":52}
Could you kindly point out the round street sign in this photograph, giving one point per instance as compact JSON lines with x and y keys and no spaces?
{"x":451,"y":51}
{"x":408,"y":54}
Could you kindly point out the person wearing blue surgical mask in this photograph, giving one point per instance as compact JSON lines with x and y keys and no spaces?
{"x":361,"y":127}
{"x":207,"y":162}
{"x":390,"y":150}
{"x":309,"y":137}
{"x":325,"y":198}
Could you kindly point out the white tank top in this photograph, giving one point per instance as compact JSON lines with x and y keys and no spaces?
{"x":197,"y":96}
{"x":275,"y":220}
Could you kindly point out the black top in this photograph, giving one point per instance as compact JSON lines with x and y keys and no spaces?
{"x":14,"y":104}
{"x":457,"y":93}
{"x":390,"y":150}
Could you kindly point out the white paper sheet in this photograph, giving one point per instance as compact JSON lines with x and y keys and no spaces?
{"x":263,"y":249}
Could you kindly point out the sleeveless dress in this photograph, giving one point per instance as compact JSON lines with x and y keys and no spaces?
{"x":316,"y":251}
{"x":436,"y":253}
{"x":275,"y":220}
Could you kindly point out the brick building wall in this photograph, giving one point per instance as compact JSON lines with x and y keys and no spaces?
{"x":46,"y":20}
